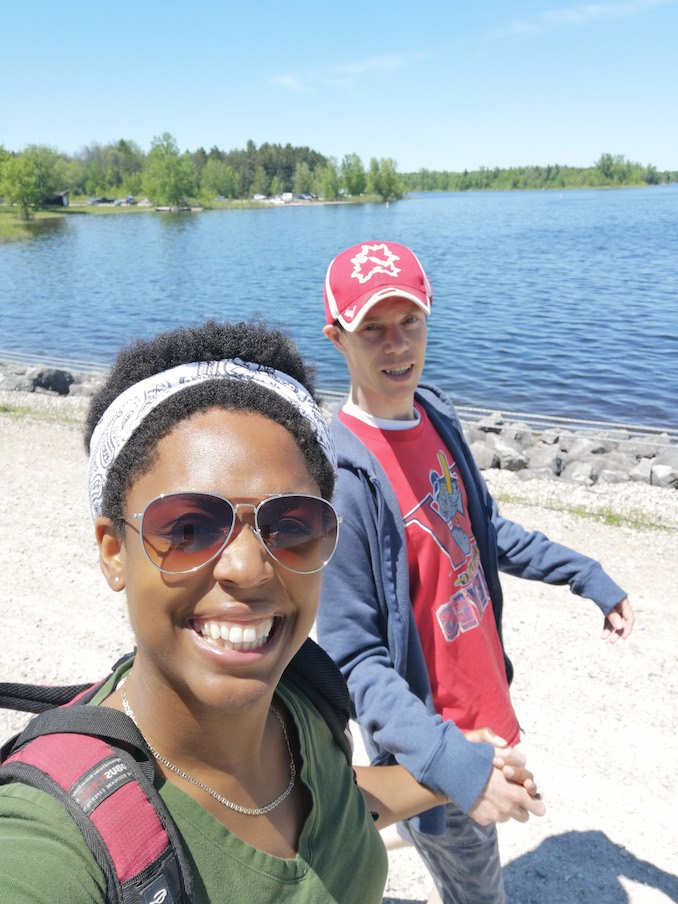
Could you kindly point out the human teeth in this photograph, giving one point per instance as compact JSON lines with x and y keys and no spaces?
{"x":237,"y":637}
{"x":233,"y":634}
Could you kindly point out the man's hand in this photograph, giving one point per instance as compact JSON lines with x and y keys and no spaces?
{"x":618,"y":622}
{"x":501,"y":800}
{"x":511,"y":762}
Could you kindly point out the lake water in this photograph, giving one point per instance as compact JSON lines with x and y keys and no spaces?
{"x":554,"y":303}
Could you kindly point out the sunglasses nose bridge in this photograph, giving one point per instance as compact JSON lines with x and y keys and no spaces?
{"x":238,"y":549}
{"x":236,"y":506}
{"x":250,"y":519}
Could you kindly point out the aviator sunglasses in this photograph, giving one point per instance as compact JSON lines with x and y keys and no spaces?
{"x":181,"y":532}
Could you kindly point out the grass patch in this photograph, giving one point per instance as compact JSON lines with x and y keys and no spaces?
{"x":14,"y":229}
{"x":98,"y":210}
{"x":65,"y":415}
{"x":635,"y":518}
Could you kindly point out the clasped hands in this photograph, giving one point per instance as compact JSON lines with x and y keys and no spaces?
{"x":510,"y":791}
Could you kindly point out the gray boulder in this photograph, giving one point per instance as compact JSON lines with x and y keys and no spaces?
{"x":541,"y":458}
{"x":510,"y":458}
{"x":518,"y":435}
{"x":578,"y":472}
{"x":642,"y":471}
{"x":491,"y":423}
{"x":52,"y":379}
{"x":485,"y":456}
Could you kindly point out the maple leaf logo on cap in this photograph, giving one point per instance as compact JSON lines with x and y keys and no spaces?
{"x":374,"y":259}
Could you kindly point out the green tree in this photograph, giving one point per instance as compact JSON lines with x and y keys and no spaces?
{"x":326,"y":182}
{"x":4,"y":157}
{"x":111,"y":168}
{"x":95,"y":171}
{"x":74,"y":175}
{"x":383,"y":179}
{"x":353,"y":177}
{"x":127,"y":161}
{"x":169,"y":177}
{"x":19,"y":184}
{"x":260,"y":183}
{"x":651,"y":175}
{"x":48,"y":167}
{"x":303,"y":178}
{"x":218,"y":179}
{"x":605,"y":166}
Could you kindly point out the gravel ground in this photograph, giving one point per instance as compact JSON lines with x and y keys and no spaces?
{"x":599,"y":720}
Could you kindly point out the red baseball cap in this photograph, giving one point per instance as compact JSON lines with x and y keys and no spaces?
{"x":366,"y":274}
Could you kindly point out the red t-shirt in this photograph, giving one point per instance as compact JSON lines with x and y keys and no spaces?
{"x":450,"y":600}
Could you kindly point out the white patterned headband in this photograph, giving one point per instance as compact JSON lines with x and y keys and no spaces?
{"x":126,"y":413}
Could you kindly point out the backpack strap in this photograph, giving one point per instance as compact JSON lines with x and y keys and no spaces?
{"x":36,"y":698}
{"x":95,"y":762}
{"x":313,"y":672}
{"x":318,"y":677}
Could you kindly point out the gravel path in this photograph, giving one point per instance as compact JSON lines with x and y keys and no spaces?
{"x":599,"y":720}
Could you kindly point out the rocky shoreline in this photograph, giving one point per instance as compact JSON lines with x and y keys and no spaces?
{"x":584,"y":455}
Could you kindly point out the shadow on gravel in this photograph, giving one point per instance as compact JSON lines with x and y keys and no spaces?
{"x":580,"y":867}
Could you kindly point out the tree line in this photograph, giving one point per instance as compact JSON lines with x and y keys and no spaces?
{"x":609,"y":170}
{"x":40,"y":175}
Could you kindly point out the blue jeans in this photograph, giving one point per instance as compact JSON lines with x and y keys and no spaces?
{"x":464,"y":861}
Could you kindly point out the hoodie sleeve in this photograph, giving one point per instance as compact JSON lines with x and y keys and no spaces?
{"x":531,"y":555}
{"x":508,"y":546}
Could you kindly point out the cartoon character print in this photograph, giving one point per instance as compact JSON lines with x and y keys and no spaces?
{"x":445,"y":508}
{"x":449,"y":526}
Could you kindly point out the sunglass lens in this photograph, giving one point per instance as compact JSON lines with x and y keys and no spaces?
{"x":300,"y":532}
{"x":183,"y":531}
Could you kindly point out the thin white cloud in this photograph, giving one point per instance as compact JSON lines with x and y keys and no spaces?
{"x":550,"y":20}
{"x":291,"y":82}
{"x":345,"y":76}
{"x":375,"y":64}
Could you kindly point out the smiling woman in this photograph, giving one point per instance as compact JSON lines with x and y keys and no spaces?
{"x":210,"y":478}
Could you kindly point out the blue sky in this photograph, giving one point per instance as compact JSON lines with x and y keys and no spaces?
{"x":444,"y":84}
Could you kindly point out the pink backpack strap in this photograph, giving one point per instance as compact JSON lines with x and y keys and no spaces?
{"x":95,"y":762}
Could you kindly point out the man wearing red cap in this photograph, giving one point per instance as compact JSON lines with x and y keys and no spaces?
{"x":411,"y":604}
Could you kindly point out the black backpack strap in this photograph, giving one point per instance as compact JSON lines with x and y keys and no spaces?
{"x":95,"y":762}
{"x":318,"y":677}
{"x":36,"y":698}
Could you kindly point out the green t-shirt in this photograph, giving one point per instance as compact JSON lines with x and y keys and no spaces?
{"x":340,"y":859}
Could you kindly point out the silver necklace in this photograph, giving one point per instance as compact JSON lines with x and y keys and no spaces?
{"x":248,"y":811}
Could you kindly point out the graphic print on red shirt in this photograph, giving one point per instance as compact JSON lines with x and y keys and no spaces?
{"x":449,"y":594}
